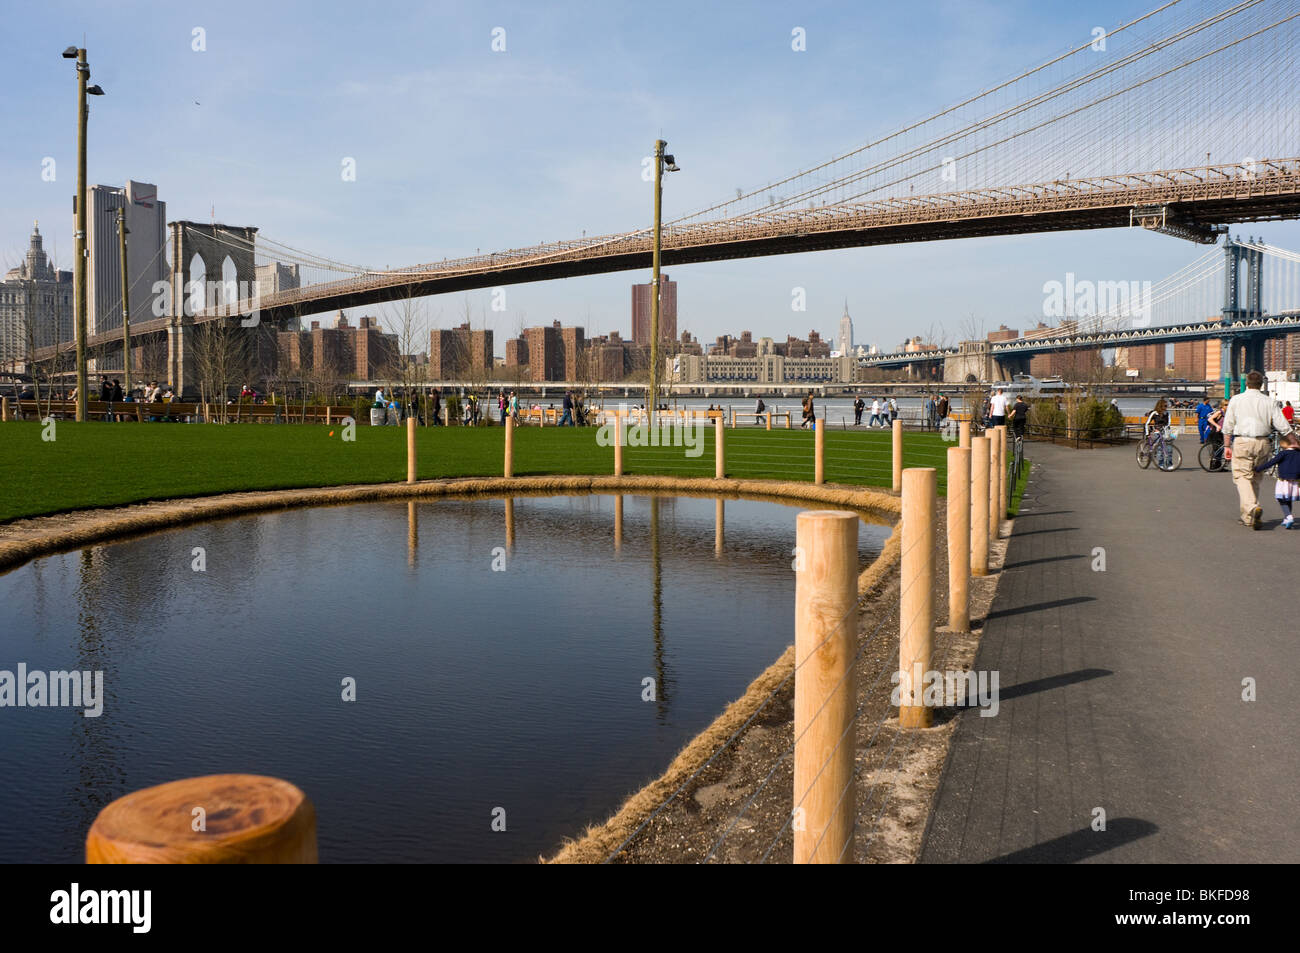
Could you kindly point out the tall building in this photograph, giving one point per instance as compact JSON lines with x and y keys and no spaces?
{"x":459,"y":353}
{"x":667,"y":311}
{"x":545,"y":353}
{"x":146,"y":225}
{"x":36,"y":307}
{"x":341,"y":351}
{"x":844,"y":343}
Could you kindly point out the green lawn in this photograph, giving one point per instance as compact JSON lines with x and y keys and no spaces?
{"x":101,"y":464}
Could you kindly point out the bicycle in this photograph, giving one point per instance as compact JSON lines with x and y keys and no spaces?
{"x":1158,"y":447}
{"x":1211,"y":457}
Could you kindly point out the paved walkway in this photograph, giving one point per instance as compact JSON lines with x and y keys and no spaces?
{"x":1122,"y":689}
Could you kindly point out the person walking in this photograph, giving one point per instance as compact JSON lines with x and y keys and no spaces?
{"x":568,"y":409}
{"x":809,"y":414}
{"x":928,"y":411}
{"x":1251,"y":419}
{"x":1287,"y":489}
{"x":859,"y":405}
{"x":893,"y":411}
{"x":1019,"y":416}
{"x":759,"y":409}
{"x":1289,"y":413}
{"x":1203,"y":411}
{"x":943,"y":408}
{"x":998,"y":409}
{"x":436,"y":408}
{"x":875,"y":412}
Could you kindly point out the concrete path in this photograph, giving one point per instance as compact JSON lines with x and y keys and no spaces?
{"x":1122,"y":689}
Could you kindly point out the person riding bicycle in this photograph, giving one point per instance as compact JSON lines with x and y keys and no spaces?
{"x":1158,"y":419}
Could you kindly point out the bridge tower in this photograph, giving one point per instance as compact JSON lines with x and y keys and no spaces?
{"x":213,"y":244}
{"x":1243,"y":282}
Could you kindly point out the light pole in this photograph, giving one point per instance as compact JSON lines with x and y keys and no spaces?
{"x":79,"y":269}
{"x":122,"y":232}
{"x":662,"y":163}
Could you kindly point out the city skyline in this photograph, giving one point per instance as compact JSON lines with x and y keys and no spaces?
{"x":427,"y":200}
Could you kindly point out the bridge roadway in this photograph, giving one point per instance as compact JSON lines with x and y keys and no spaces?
{"x":1193,"y":202}
{"x":1123,"y":689}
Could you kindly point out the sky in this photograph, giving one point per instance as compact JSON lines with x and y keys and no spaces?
{"x":460,"y":148}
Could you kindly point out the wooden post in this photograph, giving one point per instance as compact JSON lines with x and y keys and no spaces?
{"x":719,"y":451}
{"x":769,"y":420}
{"x":825,"y":690}
{"x":898,"y":455}
{"x":979,"y":506}
{"x":958,"y":511}
{"x":819,"y":453}
{"x":916,"y":601}
{"x":510,"y":448}
{"x":963,"y":432}
{"x":327,"y":415}
{"x":994,"y":484}
{"x":4,"y":409}
{"x":1004,"y":490}
{"x":731,"y":410}
{"x":410,"y":449}
{"x":620,"y":435}
{"x":249,"y":819}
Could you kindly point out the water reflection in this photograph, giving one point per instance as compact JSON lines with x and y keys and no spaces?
{"x":520,"y":688}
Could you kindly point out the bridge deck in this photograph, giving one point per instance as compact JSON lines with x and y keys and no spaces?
{"x":1122,"y":689}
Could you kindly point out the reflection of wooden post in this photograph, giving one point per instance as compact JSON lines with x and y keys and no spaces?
{"x":412,"y":533}
{"x":719,"y":451}
{"x":618,"y":523}
{"x":963,"y":433}
{"x":249,"y":819}
{"x":994,"y":454}
{"x":719,"y":531}
{"x":979,"y":506}
{"x":510,"y":448}
{"x":410,"y":449}
{"x":898,"y":455}
{"x":620,"y":435}
{"x":510,"y":523}
{"x":916,"y":599}
{"x":825,"y":690}
{"x":958,"y":511}
{"x":819,"y":451}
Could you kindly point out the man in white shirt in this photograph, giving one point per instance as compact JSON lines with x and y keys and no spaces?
{"x":998,"y":408}
{"x":875,"y":413}
{"x":1251,"y":419}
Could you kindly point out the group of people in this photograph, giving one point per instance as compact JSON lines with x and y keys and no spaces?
{"x":883,"y":413}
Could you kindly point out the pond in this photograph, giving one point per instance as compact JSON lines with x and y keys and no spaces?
{"x":528,"y":661}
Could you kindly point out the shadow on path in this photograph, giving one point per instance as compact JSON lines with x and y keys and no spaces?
{"x":1038,"y":607}
{"x":1052,"y":681}
{"x":1081,"y":845}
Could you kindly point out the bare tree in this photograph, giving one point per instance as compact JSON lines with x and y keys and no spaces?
{"x":221,"y":357}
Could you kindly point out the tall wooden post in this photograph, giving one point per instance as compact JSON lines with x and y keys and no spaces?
{"x":994,"y":453}
{"x":916,"y":601}
{"x":246,"y":819}
{"x":819,"y":440}
{"x":1004,"y":491}
{"x":825,"y":690}
{"x":510,"y":448}
{"x":958,"y":512}
{"x":410,"y":450}
{"x":979,"y":499}
{"x":4,"y":408}
{"x":620,"y":438}
{"x":898,"y":455}
{"x":963,"y":434}
{"x":769,"y":420}
{"x":719,"y":451}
